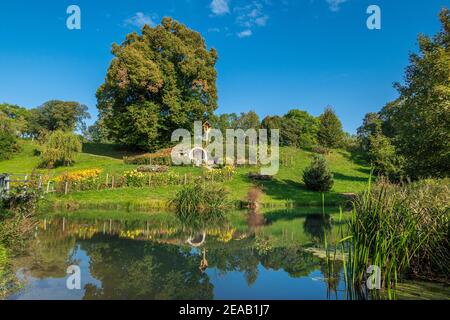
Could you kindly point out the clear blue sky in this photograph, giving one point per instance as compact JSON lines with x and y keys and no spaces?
{"x":275,"y":55}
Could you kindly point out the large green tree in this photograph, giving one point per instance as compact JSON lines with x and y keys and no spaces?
{"x":158,"y":81}
{"x":299,"y":129}
{"x":58,"y":115}
{"x":420,"y":118}
{"x":330,"y":133}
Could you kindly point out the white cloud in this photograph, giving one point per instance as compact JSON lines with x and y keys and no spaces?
{"x":140,"y":19}
{"x":335,"y":5}
{"x":220,"y":7}
{"x":251,"y":15}
{"x":245,"y":34}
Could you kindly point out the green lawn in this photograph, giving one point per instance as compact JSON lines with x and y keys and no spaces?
{"x":351,"y":176}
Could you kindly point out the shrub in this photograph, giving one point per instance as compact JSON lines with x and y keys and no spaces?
{"x":163,"y":157}
{"x":317,"y":176}
{"x":60,"y":150}
{"x":20,"y":201}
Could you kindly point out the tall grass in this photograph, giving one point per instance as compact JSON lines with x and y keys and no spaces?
{"x":201,"y":203}
{"x":401,"y":229}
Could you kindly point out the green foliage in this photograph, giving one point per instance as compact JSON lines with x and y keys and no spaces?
{"x":299,"y":129}
{"x":372,"y":124}
{"x":60,"y":150}
{"x":201,"y":201}
{"x":19,"y":202}
{"x":408,"y":231}
{"x":159,"y":81}
{"x":384,"y":157}
{"x":248,"y":120}
{"x":420,"y":118}
{"x":317,"y":176}
{"x":15,"y":117}
{"x":330,"y":133}
{"x":272,"y":122}
{"x":57,"y":115}
{"x":97,"y":133}
{"x":8,"y":145}
{"x":244,"y":121}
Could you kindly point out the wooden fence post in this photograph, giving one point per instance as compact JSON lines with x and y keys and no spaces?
{"x":112,"y":182}
{"x":66,"y":188}
{"x":48,"y":186}
{"x":40,"y":183}
{"x":107,"y":180}
{"x":7,"y":183}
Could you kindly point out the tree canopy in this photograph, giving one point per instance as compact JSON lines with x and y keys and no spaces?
{"x":159,"y":81}
{"x":57,"y":115}
{"x":419,"y":120}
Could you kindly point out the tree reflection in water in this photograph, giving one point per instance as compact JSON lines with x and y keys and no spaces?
{"x":156,"y":260}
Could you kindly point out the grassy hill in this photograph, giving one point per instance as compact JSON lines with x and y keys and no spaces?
{"x":287,"y":189}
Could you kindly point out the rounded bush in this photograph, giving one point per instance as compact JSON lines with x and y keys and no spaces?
{"x":317,"y":176}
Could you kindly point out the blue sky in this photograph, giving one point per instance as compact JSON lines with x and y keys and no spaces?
{"x":275,"y":55}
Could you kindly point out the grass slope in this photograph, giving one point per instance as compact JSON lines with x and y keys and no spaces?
{"x":287,"y":189}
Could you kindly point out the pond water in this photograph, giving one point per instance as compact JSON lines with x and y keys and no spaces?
{"x":278,"y":255}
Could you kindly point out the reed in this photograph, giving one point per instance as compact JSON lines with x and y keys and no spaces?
{"x":402,"y":229}
{"x":205,"y":201}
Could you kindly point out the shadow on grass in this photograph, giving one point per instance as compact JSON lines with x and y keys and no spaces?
{"x":343,"y":177}
{"x":357,"y":157}
{"x":298,"y":195}
{"x":115,"y":151}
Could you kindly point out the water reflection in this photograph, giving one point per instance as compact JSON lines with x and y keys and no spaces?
{"x":246,"y":256}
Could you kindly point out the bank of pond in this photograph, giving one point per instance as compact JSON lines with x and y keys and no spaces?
{"x":251,"y":254}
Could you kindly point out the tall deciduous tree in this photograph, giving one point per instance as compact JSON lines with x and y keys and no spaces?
{"x":58,"y":115}
{"x":420,"y":118}
{"x":159,"y":81}
{"x":330,"y":133}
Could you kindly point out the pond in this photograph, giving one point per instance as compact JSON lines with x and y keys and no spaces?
{"x":275,"y":255}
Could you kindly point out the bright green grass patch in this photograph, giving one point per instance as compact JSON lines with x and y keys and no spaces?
{"x":286,"y":190}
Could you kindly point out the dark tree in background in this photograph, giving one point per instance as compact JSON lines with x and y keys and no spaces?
{"x":330,"y":133}
{"x":159,"y":81}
